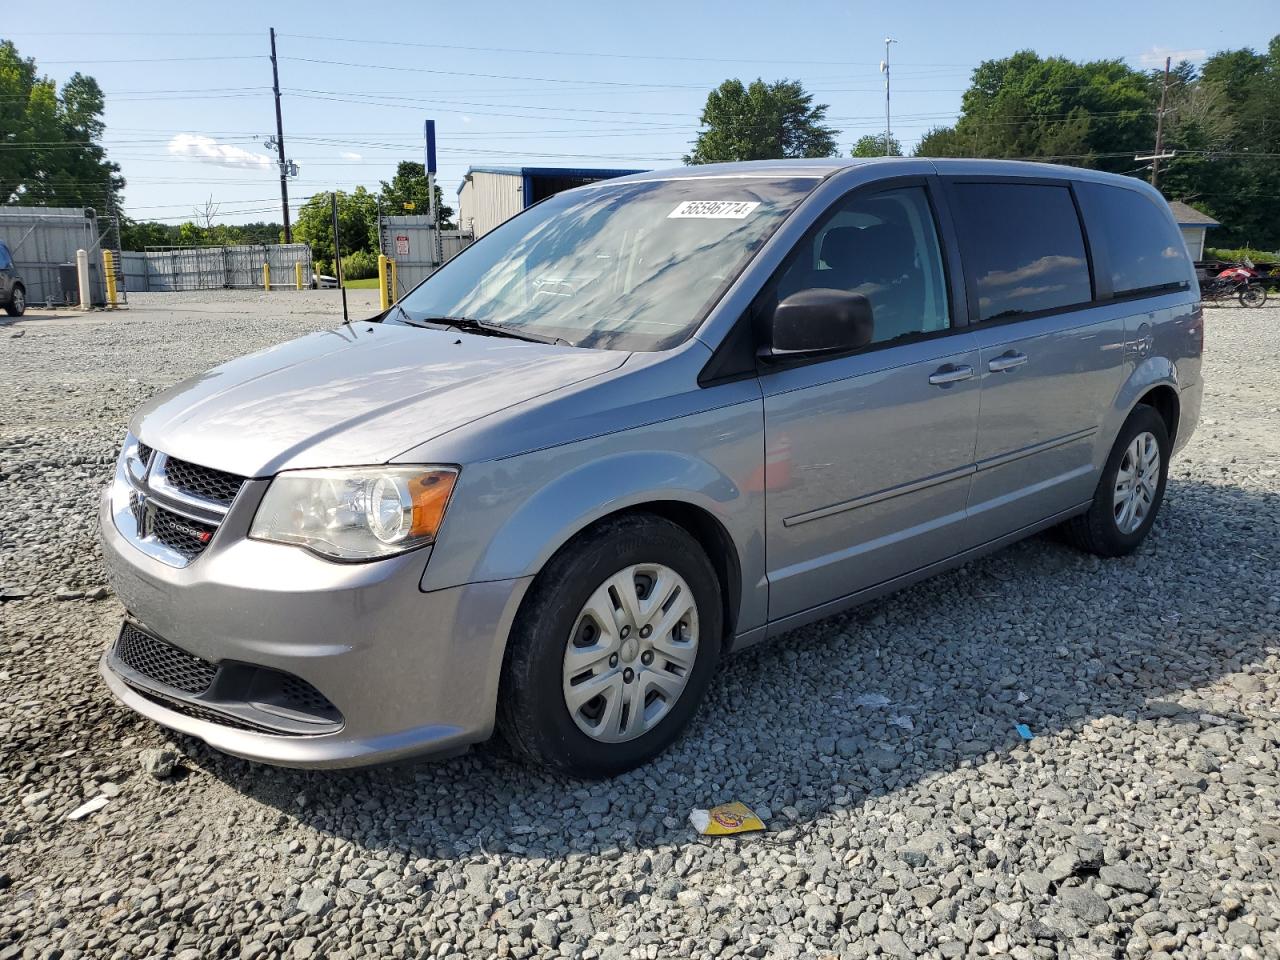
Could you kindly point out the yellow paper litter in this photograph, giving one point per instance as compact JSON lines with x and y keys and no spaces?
{"x":725,"y":819}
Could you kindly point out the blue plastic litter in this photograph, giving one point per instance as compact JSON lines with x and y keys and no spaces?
{"x":1024,"y":731}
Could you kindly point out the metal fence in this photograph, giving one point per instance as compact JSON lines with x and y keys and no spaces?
{"x":411,"y":242}
{"x":215,"y":268}
{"x":44,"y":241}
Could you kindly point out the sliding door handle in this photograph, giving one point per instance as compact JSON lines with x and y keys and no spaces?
{"x":950,"y":373}
{"x":1007,"y":361}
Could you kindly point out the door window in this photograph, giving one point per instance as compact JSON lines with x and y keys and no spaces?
{"x":1022,"y":247}
{"x":885,"y":247}
{"x":5,"y":261}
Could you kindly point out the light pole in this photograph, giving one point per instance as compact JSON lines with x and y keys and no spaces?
{"x":884,"y":68}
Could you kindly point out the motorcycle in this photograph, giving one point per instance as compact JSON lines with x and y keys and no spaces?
{"x":1240,"y":281}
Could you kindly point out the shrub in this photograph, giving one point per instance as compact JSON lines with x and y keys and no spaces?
{"x":359,"y":265}
{"x":1242,"y":253}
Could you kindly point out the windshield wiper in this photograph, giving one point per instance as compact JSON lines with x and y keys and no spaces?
{"x":486,"y":329}
{"x":404,"y":315}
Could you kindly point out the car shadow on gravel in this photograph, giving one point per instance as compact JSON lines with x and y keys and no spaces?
{"x":871,"y":702}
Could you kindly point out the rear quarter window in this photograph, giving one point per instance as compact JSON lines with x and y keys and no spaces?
{"x":5,"y":260}
{"x":1144,"y":248}
{"x":1022,"y":247}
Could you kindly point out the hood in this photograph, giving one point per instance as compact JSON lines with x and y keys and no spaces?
{"x":356,"y":395}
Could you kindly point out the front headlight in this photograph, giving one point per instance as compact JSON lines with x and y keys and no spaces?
{"x":363,"y":513}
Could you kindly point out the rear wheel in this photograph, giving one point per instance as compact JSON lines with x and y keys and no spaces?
{"x":613,"y":649}
{"x":17,"y":305}
{"x":1130,"y":490}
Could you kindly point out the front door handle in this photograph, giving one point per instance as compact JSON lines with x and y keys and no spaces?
{"x":1007,"y":361}
{"x":950,"y":373}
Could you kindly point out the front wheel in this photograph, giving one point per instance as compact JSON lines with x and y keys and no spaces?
{"x":17,"y":305}
{"x":613,"y":649}
{"x":1254,"y":295}
{"x":1130,"y":490}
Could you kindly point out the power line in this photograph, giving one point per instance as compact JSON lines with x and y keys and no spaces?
{"x":82,"y":60}
{"x":494,"y":76}
{"x":567,"y":53}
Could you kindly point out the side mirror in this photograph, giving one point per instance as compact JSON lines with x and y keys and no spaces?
{"x":821,"y":320}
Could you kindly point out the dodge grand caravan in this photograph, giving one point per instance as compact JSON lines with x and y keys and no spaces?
{"x":642,"y":424}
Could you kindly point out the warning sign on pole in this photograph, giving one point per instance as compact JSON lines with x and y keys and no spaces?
{"x":402,"y":245}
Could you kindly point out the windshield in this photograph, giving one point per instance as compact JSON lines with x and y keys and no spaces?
{"x":628,"y":266}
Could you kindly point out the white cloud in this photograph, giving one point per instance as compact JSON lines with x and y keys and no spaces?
{"x":1155,"y":56}
{"x":465,"y":118}
{"x":208,"y":150}
{"x":348,"y":155}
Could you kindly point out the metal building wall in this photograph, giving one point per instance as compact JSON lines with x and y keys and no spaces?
{"x":42,"y":239}
{"x":1193,"y":237}
{"x":488,"y":199}
{"x":410,"y":241}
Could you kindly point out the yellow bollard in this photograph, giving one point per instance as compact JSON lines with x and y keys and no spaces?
{"x":297,"y":272}
{"x":109,"y":270}
{"x":266,"y":276}
{"x":382,"y":282}
{"x":395,"y":289}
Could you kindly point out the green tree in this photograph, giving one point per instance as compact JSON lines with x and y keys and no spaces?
{"x":1224,"y":127}
{"x":763,"y":121}
{"x":872,"y":145}
{"x":138,"y":235}
{"x":1090,"y":114}
{"x":409,"y":186}
{"x":50,"y":141}
{"x":357,"y":224}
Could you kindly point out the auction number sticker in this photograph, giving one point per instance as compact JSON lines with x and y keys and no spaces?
{"x":713,"y":210}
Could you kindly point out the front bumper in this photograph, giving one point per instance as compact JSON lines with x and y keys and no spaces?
{"x":410,"y":672}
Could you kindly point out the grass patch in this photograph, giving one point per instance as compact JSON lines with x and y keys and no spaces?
{"x":369,"y":283}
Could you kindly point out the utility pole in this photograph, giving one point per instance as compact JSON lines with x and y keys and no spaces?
{"x":284,"y":169}
{"x":1164,"y":92}
{"x":884,"y":67}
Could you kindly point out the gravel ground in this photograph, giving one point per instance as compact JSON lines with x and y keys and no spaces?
{"x":906,"y":816}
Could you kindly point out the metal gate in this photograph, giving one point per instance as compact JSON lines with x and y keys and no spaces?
{"x":44,"y":239}
{"x":216,"y":268}
{"x":411,"y":242}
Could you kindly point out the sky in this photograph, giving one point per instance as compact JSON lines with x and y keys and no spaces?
{"x":189,"y":104}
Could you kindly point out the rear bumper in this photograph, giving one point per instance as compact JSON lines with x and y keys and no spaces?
{"x":410,"y":672}
{"x":1189,"y":400}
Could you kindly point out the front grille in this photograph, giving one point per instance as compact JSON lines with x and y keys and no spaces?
{"x":232,"y":694}
{"x":216,"y":485}
{"x":144,"y":453}
{"x":180,"y":534}
{"x":163,"y":663}
{"x":297,"y":694}
{"x":197,"y":712}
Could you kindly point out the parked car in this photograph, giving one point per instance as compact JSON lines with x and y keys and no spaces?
{"x":638,"y":426}
{"x":13,"y":292}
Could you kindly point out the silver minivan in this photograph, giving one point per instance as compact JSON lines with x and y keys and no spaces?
{"x":643,"y":424}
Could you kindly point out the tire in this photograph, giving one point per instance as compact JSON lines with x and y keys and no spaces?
{"x":17,"y":304}
{"x":1099,"y":531}
{"x":534,"y":715}
{"x":1254,"y":295}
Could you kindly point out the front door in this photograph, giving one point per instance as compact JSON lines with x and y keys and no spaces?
{"x":869,"y":456}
